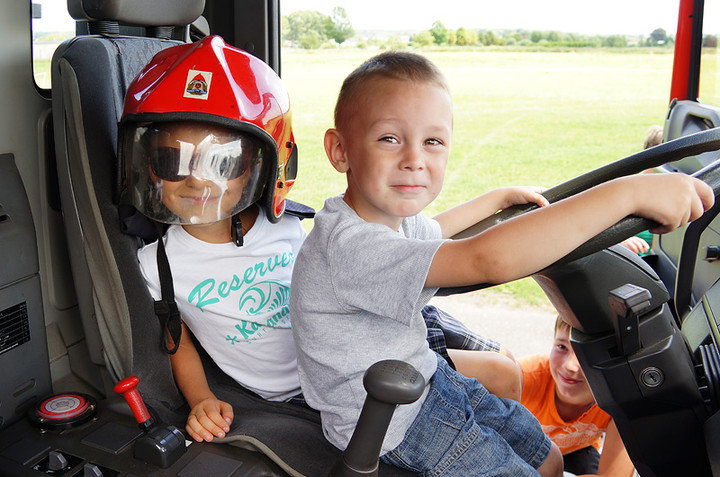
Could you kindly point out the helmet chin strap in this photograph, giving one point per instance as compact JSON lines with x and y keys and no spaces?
{"x":236,"y":230}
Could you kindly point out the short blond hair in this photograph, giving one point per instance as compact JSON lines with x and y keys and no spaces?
{"x":653,"y":136}
{"x":560,"y":324}
{"x":400,"y":65}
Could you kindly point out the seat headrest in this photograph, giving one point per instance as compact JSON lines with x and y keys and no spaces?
{"x":138,"y":12}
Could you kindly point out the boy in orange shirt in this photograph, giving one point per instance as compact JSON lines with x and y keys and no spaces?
{"x":556,"y":392}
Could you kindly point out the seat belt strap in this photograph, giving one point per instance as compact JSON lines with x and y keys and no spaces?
{"x":166,"y":309}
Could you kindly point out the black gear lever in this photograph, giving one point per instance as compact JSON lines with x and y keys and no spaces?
{"x":388,"y":383}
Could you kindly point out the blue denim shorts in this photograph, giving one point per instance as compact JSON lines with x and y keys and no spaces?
{"x":463,"y":430}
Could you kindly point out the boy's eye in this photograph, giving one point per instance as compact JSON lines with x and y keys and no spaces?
{"x":433,"y":141}
{"x":389,"y":139}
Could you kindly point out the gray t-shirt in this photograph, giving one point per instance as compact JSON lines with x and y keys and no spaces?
{"x":356,"y":299}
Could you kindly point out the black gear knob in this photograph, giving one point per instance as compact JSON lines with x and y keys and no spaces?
{"x":388,"y":384}
{"x":394,"y":382}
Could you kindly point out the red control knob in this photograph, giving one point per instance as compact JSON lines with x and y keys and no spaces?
{"x":128,"y":388}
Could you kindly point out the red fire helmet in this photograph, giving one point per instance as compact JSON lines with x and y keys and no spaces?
{"x":214,"y":83}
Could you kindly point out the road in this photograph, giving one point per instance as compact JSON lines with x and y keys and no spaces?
{"x":520,"y":328}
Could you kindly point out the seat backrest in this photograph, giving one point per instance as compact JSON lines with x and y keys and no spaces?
{"x":90,"y":75}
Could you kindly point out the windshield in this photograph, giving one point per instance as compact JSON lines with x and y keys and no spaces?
{"x":709,"y":90}
{"x":539,"y":97}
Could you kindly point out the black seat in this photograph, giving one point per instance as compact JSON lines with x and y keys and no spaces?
{"x":90,"y":75}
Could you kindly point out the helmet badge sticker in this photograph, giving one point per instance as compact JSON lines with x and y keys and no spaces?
{"x":197,"y":84}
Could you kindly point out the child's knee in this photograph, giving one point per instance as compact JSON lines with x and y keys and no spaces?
{"x":499,"y":374}
{"x":509,"y":377}
{"x":506,"y":352}
{"x":515,"y":380}
{"x":553,"y":464}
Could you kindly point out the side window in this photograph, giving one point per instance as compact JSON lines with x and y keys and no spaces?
{"x":51,"y":25}
{"x":709,"y":90}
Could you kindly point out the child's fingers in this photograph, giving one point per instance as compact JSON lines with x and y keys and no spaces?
{"x":534,"y":194}
{"x":686,"y":204}
{"x":641,"y":244}
{"x":226,"y":411}
{"x":193,"y":435}
{"x":697,"y":208}
{"x":205,"y":420}
{"x":632,"y":247}
{"x":540,"y":200}
{"x":526,"y":195}
{"x":212,"y":421}
{"x":706,"y":195}
{"x":635,"y":244}
{"x":219,"y":425}
{"x":196,"y":429}
{"x":702,"y":200}
{"x":209,"y":425}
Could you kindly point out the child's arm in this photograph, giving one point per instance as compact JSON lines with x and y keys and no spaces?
{"x":208,"y":415}
{"x":614,"y":459}
{"x":528,"y":243}
{"x":459,"y":218}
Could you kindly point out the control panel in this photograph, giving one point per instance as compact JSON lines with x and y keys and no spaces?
{"x":73,"y":435}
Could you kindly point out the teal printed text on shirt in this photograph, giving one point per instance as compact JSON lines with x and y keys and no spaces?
{"x":261,"y":299}
{"x":206,"y":293}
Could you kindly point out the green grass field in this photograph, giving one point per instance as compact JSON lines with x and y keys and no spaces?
{"x":521,"y":118}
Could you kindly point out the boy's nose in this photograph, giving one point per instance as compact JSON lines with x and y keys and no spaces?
{"x":412,"y":159}
{"x":572,"y":364}
{"x":197,"y":182}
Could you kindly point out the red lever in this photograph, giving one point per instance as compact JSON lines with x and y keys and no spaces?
{"x":128,"y":388}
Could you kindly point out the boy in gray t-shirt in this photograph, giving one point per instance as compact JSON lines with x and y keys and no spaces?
{"x":373,"y":260}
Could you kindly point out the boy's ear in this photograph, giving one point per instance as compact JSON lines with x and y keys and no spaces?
{"x":335,"y":150}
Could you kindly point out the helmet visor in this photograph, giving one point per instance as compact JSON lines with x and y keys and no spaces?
{"x":190,"y":172}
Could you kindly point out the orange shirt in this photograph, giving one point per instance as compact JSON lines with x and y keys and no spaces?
{"x":538,"y":395}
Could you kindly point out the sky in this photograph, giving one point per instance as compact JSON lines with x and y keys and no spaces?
{"x":603,"y":17}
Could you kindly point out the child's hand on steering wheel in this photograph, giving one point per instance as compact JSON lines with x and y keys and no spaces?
{"x":522,"y":195}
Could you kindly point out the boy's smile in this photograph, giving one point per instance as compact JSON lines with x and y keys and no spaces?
{"x":394,"y":149}
{"x":198,"y":200}
{"x":571,"y":388}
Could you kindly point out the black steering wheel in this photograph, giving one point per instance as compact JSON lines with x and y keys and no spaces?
{"x":670,"y":151}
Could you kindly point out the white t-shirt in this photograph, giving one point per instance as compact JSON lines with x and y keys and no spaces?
{"x":235,"y":300}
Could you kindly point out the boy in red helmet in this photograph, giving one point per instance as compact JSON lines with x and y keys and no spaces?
{"x":208,"y":148}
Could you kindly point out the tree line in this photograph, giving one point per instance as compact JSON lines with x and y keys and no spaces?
{"x":312,"y":30}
